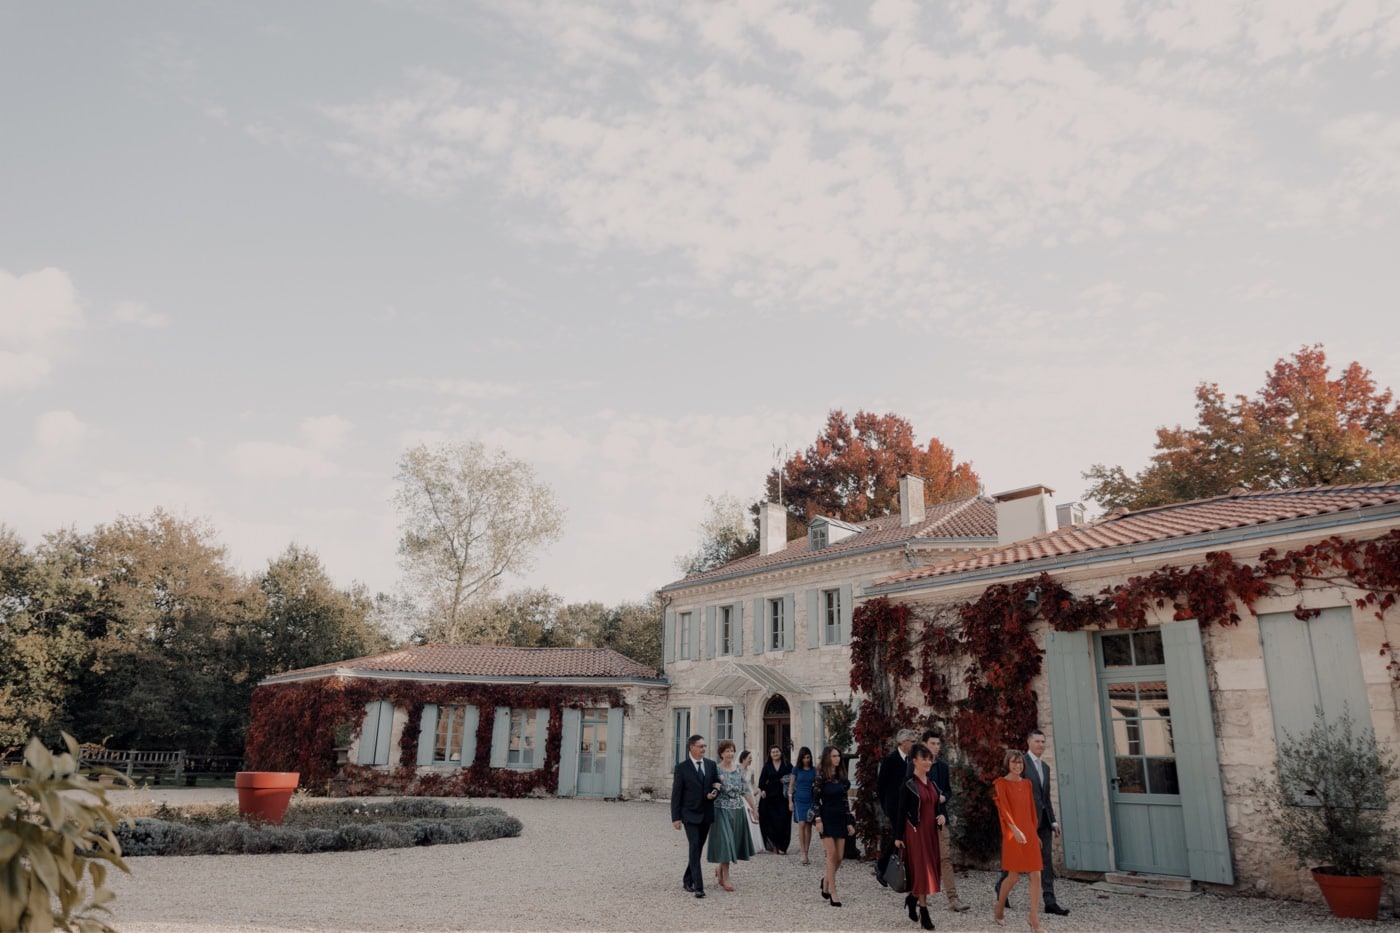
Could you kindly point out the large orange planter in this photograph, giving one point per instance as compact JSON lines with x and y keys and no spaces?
{"x":264,"y":795}
{"x":1347,"y":896}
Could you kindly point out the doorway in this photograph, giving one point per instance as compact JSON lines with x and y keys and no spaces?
{"x":592,"y":752}
{"x":1149,"y":830}
{"x":777,"y":728}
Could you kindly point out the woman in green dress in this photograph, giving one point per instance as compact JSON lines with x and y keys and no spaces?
{"x":729,"y":836}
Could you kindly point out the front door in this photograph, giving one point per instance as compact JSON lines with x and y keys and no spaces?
{"x":777,"y":728}
{"x":1149,"y":831}
{"x":592,"y":752}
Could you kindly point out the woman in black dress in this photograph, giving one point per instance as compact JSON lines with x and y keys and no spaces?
{"x":833,"y":816}
{"x":772,"y":801}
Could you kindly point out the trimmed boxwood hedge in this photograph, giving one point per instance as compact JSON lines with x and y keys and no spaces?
{"x":339,"y":826}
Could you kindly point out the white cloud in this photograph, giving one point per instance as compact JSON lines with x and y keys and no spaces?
{"x":266,"y":459}
{"x":38,"y":312}
{"x":325,"y":433}
{"x":139,"y":314}
{"x":60,"y":432}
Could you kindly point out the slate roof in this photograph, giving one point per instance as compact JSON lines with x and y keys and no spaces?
{"x":1239,"y":509}
{"x":488,"y":661}
{"x":974,"y":518}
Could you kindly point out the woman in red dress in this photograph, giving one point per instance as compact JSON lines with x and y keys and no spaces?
{"x":920,"y":815}
{"x":1020,"y":846}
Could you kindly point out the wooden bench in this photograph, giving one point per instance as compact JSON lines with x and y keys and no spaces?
{"x":135,"y":763}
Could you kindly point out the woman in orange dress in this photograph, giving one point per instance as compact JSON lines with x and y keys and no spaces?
{"x":1020,"y":846}
{"x":916,"y":822}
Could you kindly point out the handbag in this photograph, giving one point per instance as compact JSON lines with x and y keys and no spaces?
{"x":896,"y":876}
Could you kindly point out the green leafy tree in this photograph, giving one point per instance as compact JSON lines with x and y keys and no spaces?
{"x":852,"y":470}
{"x":470,"y":515}
{"x":1304,"y":427}
{"x":726,"y":534}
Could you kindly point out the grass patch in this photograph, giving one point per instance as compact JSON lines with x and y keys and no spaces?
{"x":336,"y":826}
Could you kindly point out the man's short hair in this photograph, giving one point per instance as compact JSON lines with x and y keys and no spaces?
{"x":931,"y":734}
{"x":697,"y":737}
{"x":1035,"y":732}
{"x":905,"y":735}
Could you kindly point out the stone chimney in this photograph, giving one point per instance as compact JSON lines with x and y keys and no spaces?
{"x":772,"y":528}
{"x":1068,"y":514}
{"x":1023,"y":513}
{"x":911,"y":500}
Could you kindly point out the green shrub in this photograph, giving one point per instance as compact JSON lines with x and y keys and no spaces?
{"x":52,"y":841}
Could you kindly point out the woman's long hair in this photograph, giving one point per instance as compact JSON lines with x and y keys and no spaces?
{"x":804,"y":753}
{"x":825,"y":770}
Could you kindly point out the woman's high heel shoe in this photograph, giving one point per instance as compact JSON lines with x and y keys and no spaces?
{"x":825,"y":896}
{"x":835,"y":903}
{"x":925,"y":920}
{"x":911,"y":904}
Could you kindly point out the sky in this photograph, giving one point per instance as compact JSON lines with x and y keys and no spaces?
{"x":252,"y":252}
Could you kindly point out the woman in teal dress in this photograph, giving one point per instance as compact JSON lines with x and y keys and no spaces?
{"x":729,"y":836}
{"x":801,"y":800}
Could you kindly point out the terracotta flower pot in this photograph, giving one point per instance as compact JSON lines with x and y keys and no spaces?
{"x":1348,"y":896}
{"x":264,"y":795}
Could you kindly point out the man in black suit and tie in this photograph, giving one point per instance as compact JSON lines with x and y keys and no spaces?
{"x":694,"y":787}
{"x":893,"y":769}
{"x":1038,"y":772}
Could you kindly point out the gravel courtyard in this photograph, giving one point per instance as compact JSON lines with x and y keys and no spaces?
{"x":589,"y":865}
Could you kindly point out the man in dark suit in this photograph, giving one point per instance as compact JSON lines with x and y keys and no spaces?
{"x":893,"y":769}
{"x":943,"y":780}
{"x":1038,"y":773}
{"x":694,"y":786}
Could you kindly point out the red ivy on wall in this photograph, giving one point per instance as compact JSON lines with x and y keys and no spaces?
{"x":294,"y":725}
{"x":993,"y":636}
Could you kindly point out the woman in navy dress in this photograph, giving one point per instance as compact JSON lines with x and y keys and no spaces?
{"x":804,"y":775}
{"x":833,"y":816}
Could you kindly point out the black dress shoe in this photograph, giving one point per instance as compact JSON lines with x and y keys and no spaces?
{"x":688,"y":886}
{"x":1057,"y":910}
{"x":700,"y":893}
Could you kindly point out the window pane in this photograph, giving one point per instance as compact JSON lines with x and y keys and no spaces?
{"x":1130,"y":776}
{"x":1161,"y":776}
{"x":1117,"y":651}
{"x":1147,"y":648}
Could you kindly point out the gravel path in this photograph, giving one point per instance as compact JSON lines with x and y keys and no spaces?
{"x":589,"y":865}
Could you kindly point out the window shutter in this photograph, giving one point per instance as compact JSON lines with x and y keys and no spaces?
{"x":695,"y":623}
{"x":710,"y":650}
{"x":369,"y":734}
{"x":760,"y":625}
{"x":1197,"y":763}
{"x":473,"y":719}
{"x":808,"y":725}
{"x":1341,"y":683}
{"x":1078,"y":750}
{"x":739,"y":630}
{"x":848,"y":608}
{"x":541,"y":736}
{"x":427,"y":734}
{"x":668,"y":636}
{"x":500,"y":737}
{"x":814,"y":619}
{"x":703,"y":723}
{"x":789,"y":621}
{"x":1312,"y":665}
{"x":739,"y":724}
{"x":571,"y":726}
{"x":382,"y":748}
{"x":612,"y":771}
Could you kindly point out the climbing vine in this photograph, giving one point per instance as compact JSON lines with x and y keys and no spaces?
{"x":993,"y":639}
{"x":294,"y":726}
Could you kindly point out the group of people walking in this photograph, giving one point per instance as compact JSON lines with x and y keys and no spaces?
{"x":913,"y":786}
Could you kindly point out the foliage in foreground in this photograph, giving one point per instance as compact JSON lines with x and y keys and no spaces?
{"x":340,"y":826}
{"x":51,"y":841}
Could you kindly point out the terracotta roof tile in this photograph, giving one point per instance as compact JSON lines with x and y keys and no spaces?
{"x":1237,"y":510}
{"x":494,"y":661}
{"x":963,"y":518}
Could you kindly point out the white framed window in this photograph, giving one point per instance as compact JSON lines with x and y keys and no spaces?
{"x":831,"y":617}
{"x":447,"y":742}
{"x":682,"y":726}
{"x":521,"y":752}
{"x":726,"y":629}
{"x":724,"y":724}
{"x":684,"y":634}
{"x":823,"y":740}
{"x":777,"y":625}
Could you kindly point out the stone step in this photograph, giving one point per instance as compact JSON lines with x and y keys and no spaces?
{"x":1133,"y":890}
{"x":1147,"y":880}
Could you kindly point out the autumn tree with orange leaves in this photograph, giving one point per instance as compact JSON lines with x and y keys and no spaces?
{"x":1303,"y":428}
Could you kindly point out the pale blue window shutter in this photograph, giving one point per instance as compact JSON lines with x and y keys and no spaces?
{"x":760,"y":625}
{"x":710,"y":650}
{"x":703,"y":725}
{"x":369,"y":734}
{"x":848,"y":608}
{"x":738,"y":629}
{"x":473,"y":719}
{"x":427,"y":734}
{"x":789,"y":621}
{"x":668,"y":636}
{"x":382,"y":750}
{"x":1312,"y":665}
{"x":500,"y":737}
{"x":1197,"y":763}
{"x":541,"y":736}
{"x":612,"y":770}
{"x":739,"y":724}
{"x":1083,"y":804}
{"x":808,"y":726}
{"x":814,"y":619}
{"x":695,"y":634}
{"x":568,"y":752}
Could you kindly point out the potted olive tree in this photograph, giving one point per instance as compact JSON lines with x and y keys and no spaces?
{"x":1327,"y":801}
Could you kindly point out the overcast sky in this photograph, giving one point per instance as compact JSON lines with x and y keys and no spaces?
{"x":250,"y":252}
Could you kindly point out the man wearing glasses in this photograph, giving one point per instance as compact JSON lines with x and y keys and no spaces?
{"x":693,"y":789}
